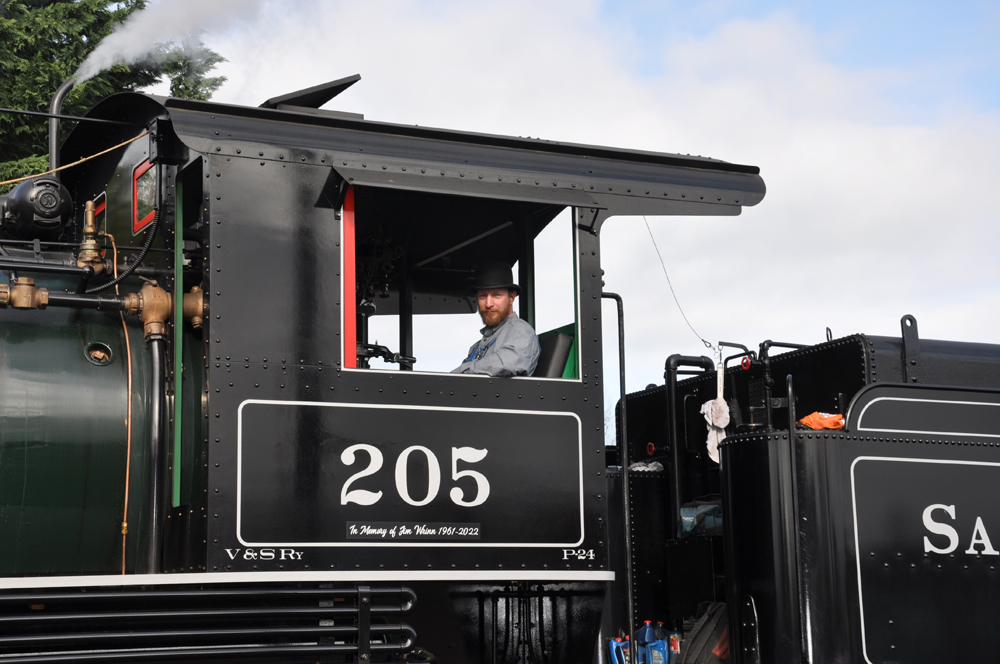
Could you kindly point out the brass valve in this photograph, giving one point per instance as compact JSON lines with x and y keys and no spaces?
{"x":89,"y":254}
{"x":25,"y":295}
{"x":155,"y":307}
{"x":194,"y":306}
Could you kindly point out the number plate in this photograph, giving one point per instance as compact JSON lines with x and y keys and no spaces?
{"x":313,"y":475}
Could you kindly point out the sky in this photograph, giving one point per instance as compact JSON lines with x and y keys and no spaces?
{"x":876,"y":126}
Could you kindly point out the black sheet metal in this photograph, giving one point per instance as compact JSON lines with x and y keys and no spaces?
{"x":513,"y":189}
{"x":608,"y":177}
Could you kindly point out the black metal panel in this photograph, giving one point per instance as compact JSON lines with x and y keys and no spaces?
{"x":760,"y":559}
{"x":275,"y":264}
{"x":184,"y":539}
{"x":238,"y":373}
{"x":497,"y":189}
{"x":667,"y":184}
{"x":929,"y":410}
{"x":471,"y":138}
{"x":940,"y":362}
{"x":927,"y":563}
{"x":829,"y":539}
{"x":411,"y":494}
{"x":649,"y":508}
{"x":536,"y":507}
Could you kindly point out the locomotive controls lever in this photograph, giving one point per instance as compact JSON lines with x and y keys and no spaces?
{"x":368,"y":351}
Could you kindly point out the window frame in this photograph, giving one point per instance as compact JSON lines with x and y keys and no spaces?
{"x":349,"y":326}
{"x":139,"y":224}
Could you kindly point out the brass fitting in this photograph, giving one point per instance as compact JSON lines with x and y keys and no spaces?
{"x":89,"y":254}
{"x":25,"y":295}
{"x":194,"y":306}
{"x":155,"y":307}
{"x":131,"y":304}
{"x":4,"y":296}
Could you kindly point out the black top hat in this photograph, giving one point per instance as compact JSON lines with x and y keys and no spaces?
{"x":495,"y":274}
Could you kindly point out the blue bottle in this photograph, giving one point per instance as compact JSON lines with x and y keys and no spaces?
{"x":615,"y":648}
{"x":642,"y":638}
{"x":656,"y":652}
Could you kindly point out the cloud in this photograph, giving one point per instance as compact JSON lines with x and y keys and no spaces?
{"x":869,"y":214}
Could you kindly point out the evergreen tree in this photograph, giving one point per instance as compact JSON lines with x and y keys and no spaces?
{"x":42,"y":42}
{"x":186,"y":65}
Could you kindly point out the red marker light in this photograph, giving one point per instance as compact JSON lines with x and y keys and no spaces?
{"x":745,"y":363}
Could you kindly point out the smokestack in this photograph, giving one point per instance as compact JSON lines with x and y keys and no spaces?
{"x":55,"y":107}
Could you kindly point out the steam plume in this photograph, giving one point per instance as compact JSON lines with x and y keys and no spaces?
{"x":138,"y":37}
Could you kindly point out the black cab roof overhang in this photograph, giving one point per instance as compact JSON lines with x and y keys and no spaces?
{"x":615,"y":181}
{"x":463,"y":163}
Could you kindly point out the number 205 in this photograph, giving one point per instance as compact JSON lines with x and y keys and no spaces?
{"x":457,"y":495}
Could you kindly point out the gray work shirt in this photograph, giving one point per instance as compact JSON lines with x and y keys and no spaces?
{"x":509,"y":349}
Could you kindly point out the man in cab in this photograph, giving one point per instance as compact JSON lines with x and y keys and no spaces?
{"x":509,"y":346}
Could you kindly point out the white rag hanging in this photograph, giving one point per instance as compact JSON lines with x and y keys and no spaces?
{"x":716,"y":414}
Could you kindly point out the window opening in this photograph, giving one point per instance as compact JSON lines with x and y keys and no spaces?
{"x":414,"y":259}
{"x":143,"y":196}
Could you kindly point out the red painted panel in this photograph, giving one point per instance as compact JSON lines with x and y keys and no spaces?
{"x":350,"y":297}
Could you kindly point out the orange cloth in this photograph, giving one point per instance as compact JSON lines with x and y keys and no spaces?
{"x":823,"y":421}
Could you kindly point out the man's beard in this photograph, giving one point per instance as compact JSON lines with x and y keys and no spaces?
{"x":493,"y":318}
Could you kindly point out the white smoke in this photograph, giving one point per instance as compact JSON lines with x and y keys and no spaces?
{"x":138,"y":38}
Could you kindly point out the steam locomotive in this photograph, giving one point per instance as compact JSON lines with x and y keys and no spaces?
{"x":205,"y":455}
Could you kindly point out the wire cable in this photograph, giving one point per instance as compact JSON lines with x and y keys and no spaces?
{"x":135,"y":263}
{"x":707,"y":343}
{"x":78,"y":161}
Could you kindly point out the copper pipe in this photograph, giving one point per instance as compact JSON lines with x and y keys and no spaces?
{"x":128,"y":418}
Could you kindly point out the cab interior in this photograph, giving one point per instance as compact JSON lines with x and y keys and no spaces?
{"x":414,"y":258}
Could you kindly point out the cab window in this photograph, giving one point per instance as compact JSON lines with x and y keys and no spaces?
{"x":420,"y":250}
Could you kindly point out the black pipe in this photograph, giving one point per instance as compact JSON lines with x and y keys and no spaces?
{"x":768,"y":344}
{"x":676,"y":458}
{"x":46,"y":268}
{"x":157,"y":483}
{"x":80,"y":301}
{"x":54,"y":107}
{"x":35,"y":261}
{"x":790,"y":391}
{"x":5,"y":242}
{"x":623,"y":456}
